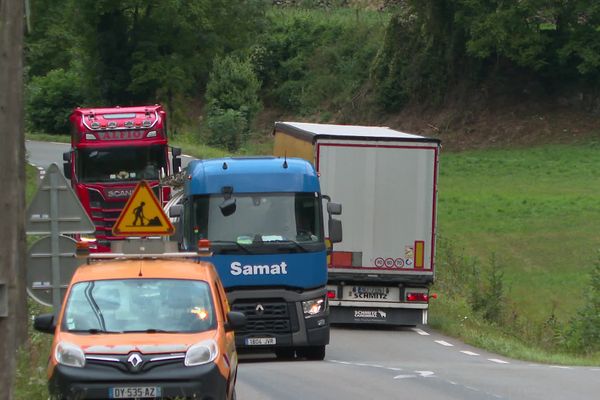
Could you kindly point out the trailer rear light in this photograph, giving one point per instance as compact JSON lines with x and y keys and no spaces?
{"x":151,"y":134}
{"x":128,"y":124}
{"x":417,"y":297}
{"x":331,"y":294}
{"x":112,"y":124}
{"x":346,"y":258}
{"x":147,"y":123}
{"x":95,"y":125}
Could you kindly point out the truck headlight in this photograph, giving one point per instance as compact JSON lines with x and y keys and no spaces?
{"x":201,"y":353}
{"x":70,"y":355}
{"x":314,"y":306}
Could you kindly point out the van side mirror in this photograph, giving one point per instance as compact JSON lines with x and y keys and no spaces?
{"x":44,"y":323}
{"x":175,"y":151}
{"x":335,"y":230}
{"x":235,"y":320}
{"x":334,"y":208}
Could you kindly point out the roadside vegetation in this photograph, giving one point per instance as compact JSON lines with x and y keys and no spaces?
{"x":518,"y":267}
{"x":517,"y":263}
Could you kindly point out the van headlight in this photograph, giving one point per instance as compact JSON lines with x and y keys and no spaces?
{"x":314,"y":306}
{"x":70,"y":355}
{"x":201,"y":353}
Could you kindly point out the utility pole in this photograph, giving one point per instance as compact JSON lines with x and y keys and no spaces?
{"x":13,"y":309}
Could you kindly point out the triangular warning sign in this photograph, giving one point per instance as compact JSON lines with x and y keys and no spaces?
{"x":56,"y":201}
{"x":143,"y":215}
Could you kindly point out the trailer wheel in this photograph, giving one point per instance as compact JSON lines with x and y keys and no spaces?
{"x":315,"y":353}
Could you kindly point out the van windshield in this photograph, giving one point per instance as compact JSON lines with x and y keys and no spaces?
{"x":139,"y":305}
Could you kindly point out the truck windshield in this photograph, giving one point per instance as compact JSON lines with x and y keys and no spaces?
{"x":139,"y":305}
{"x":120,"y":163}
{"x":288,"y":219}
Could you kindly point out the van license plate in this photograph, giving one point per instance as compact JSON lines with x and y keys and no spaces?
{"x":263,"y":341}
{"x":137,"y":392}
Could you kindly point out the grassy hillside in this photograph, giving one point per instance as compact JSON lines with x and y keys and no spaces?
{"x":536,"y":211}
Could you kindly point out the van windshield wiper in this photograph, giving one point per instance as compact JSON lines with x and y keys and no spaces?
{"x":238,"y":245}
{"x":93,"y":331}
{"x":150,"y":330}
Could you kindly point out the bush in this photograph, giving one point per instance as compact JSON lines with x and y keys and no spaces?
{"x":584,"y":333}
{"x":228,"y":128}
{"x":50,"y":99}
{"x":233,"y":85}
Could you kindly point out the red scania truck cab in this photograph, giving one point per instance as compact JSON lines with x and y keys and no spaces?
{"x":112,"y":149}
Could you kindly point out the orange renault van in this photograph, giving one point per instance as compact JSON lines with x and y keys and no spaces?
{"x":143,"y":328}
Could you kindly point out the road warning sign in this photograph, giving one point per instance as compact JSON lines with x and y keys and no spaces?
{"x":143,"y":215}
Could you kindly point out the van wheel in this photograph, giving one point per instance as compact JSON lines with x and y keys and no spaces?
{"x":285,"y":353}
{"x":315,"y":353}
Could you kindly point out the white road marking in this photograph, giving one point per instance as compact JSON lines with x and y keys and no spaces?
{"x":425,"y":374}
{"x":444,"y":343}
{"x":469,"y":353}
{"x":560,"y":367}
{"x":185,"y":155}
{"x":404,"y":376}
{"x":420,"y":332}
{"x":498,"y":361}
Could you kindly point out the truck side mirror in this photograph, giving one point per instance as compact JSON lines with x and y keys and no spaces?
{"x":334,"y":208}
{"x":176,"y":165}
{"x":67,"y":170}
{"x":175,"y":151}
{"x":335,"y":230}
{"x":235,"y":320}
{"x":176,"y":212}
{"x":44,"y":323}
{"x":228,"y":207}
{"x":67,"y":156}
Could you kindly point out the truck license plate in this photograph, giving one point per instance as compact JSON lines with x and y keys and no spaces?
{"x":371,"y":293}
{"x":263,"y":341}
{"x":137,"y":392}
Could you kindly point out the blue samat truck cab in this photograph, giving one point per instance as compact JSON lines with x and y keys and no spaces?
{"x":264,"y":219}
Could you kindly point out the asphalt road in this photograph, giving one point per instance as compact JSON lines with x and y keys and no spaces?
{"x":405,"y":363}
{"x":399,"y":363}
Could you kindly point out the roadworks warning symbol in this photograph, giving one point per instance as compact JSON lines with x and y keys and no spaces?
{"x":143,"y":215}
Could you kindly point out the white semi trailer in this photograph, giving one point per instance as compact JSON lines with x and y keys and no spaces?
{"x":386,"y":181}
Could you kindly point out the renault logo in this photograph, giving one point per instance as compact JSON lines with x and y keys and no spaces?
{"x":259,"y":309}
{"x":134,"y":360}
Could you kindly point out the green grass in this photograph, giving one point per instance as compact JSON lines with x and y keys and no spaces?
{"x":537,"y":210}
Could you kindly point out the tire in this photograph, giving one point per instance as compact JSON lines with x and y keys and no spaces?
{"x":313,"y":353}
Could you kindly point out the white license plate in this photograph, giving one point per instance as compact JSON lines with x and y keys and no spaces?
{"x":371,"y":293}
{"x":137,"y":392}
{"x":263,"y":341}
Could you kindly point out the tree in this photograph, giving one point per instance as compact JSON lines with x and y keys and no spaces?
{"x":12,"y":205}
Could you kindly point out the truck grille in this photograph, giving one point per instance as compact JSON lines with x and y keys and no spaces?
{"x":265,"y":317}
{"x":105,"y":213}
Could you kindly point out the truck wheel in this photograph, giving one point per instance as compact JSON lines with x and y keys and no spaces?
{"x":315,"y":353}
{"x":285,"y":353}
